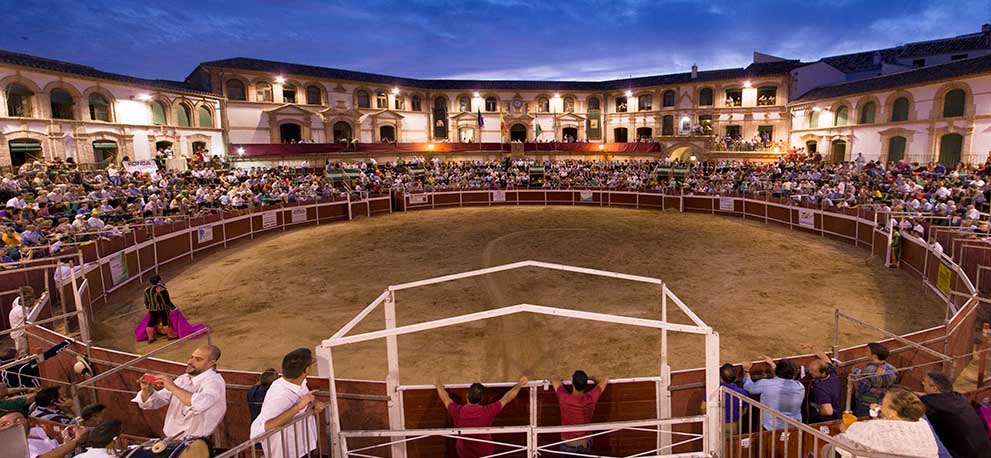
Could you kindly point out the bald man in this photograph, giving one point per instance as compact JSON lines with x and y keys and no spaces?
{"x":197,"y":400}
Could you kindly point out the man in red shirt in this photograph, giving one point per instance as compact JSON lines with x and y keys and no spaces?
{"x":475,"y":415}
{"x":577,"y":408}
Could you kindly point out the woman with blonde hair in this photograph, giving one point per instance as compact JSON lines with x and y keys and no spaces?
{"x":899,"y":428}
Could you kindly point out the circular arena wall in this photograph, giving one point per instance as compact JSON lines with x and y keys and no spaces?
{"x":363,"y":403}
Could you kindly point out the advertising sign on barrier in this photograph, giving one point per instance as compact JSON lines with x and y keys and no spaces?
{"x":726,"y":204}
{"x":415,"y":199}
{"x":586,"y":196}
{"x":806,"y":218}
{"x":118,"y":268}
{"x":498,"y":196}
{"x":945,"y":279}
{"x":298,"y":215}
{"x":268,"y":220}
{"x":140,"y":166}
{"x":204,"y":234}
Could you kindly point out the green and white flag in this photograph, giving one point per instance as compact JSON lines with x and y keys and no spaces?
{"x":538,"y":131}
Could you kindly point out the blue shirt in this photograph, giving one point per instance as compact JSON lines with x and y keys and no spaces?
{"x":785,"y":396}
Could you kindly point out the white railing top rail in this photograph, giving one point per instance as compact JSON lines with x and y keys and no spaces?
{"x":278,"y":434}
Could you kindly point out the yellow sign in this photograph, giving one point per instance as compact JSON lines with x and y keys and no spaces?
{"x":945,"y":279}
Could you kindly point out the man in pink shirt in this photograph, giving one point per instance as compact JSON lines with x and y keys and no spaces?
{"x":476,"y":415}
{"x":577,"y":408}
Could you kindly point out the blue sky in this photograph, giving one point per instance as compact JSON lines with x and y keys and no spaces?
{"x":489,"y":39}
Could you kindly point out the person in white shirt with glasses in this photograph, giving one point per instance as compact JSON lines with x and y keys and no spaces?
{"x":286,"y":399}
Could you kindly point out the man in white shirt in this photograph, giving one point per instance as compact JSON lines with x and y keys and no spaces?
{"x":38,"y":443}
{"x":287,"y":398}
{"x":197,"y":400}
{"x":18,"y":317}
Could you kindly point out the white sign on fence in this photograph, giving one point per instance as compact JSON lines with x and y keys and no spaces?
{"x":140,"y":166}
{"x":806,"y":218}
{"x":498,"y":196}
{"x":204,"y":234}
{"x":586,"y":196}
{"x":118,"y":268}
{"x":726,"y":204}
{"x":416,"y":199}
{"x":269,"y":220}
{"x":299,"y":215}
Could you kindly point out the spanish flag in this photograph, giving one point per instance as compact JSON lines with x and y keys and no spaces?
{"x":502,"y":125}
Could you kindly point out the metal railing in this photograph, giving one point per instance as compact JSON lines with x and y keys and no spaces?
{"x":302,"y":436}
{"x":793,"y":439}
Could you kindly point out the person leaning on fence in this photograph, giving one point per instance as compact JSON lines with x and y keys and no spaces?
{"x":781,"y":392}
{"x":873,"y":380}
{"x":476,"y":415}
{"x":159,"y":306}
{"x":49,"y":405}
{"x":825,"y":390}
{"x":19,"y":311}
{"x":286,"y":399}
{"x":954,"y":420}
{"x":577,"y":408}
{"x":733,"y":408}
{"x":899,"y":428}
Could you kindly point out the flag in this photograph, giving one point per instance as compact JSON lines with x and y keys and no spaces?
{"x":537,"y":131}
{"x":502,"y":125}
{"x":481,"y":120}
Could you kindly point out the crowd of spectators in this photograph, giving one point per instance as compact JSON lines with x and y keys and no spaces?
{"x":49,"y":204}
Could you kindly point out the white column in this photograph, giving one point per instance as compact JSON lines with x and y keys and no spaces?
{"x":396,"y":420}
{"x":713,"y":441}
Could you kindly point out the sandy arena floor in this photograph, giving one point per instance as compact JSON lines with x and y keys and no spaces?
{"x":765,"y":289}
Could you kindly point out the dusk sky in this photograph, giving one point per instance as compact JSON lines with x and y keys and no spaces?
{"x":490,"y":39}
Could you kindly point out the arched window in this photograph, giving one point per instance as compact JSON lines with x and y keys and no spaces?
{"x":62,"y":104}
{"x":183,"y":116}
{"x":667,"y":125}
{"x":363,"y":100}
{"x":206,"y":117}
{"x":950,"y":148}
{"x":839,"y":151}
{"x":99,"y":108}
{"x":19,"y":101}
{"x":464,"y":104}
{"x":842,"y":113}
{"x":491,"y":104}
{"x":896,"y":149}
{"x":569,"y":104}
{"x":235,"y":90}
{"x":593,"y":103}
{"x":953,"y":103}
{"x":263,"y":92}
{"x":342,"y":132}
{"x":416,"y":103}
{"x":899,"y":109}
{"x":734,"y":97}
{"x":645,"y":102}
{"x":313,"y":95}
{"x":543,"y":105}
{"x":399,"y":102}
{"x":705,"y":97}
{"x":767,"y":96}
{"x":668,"y":99}
{"x":381,"y":100}
{"x":620,"y":135}
{"x":813,"y":119}
{"x":440,"y":103}
{"x":158,"y":117}
{"x":288,"y":93}
{"x":867,"y":113}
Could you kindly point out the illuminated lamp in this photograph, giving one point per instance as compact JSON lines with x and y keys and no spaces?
{"x":476,"y":95}
{"x":395,"y":91}
{"x":693,"y":158}
{"x":629,"y":93}
{"x":746,"y":84}
{"x":280,"y":79}
{"x":602,"y":147}
{"x":240,"y":151}
{"x":430,"y":146}
{"x":143,"y":97}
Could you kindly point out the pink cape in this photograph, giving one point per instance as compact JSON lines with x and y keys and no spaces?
{"x":177,"y":321}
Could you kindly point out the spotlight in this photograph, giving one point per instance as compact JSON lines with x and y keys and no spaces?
{"x":395,"y":91}
{"x":430,"y":146}
{"x":602,"y":147}
{"x":279,"y":79}
{"x":629,"y":93}
{"x":746,"y":83}
{"x":240,"y":151}
{"x":557,"y":96}
{"x":692,"y":158}
{"x":476,"y":95}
